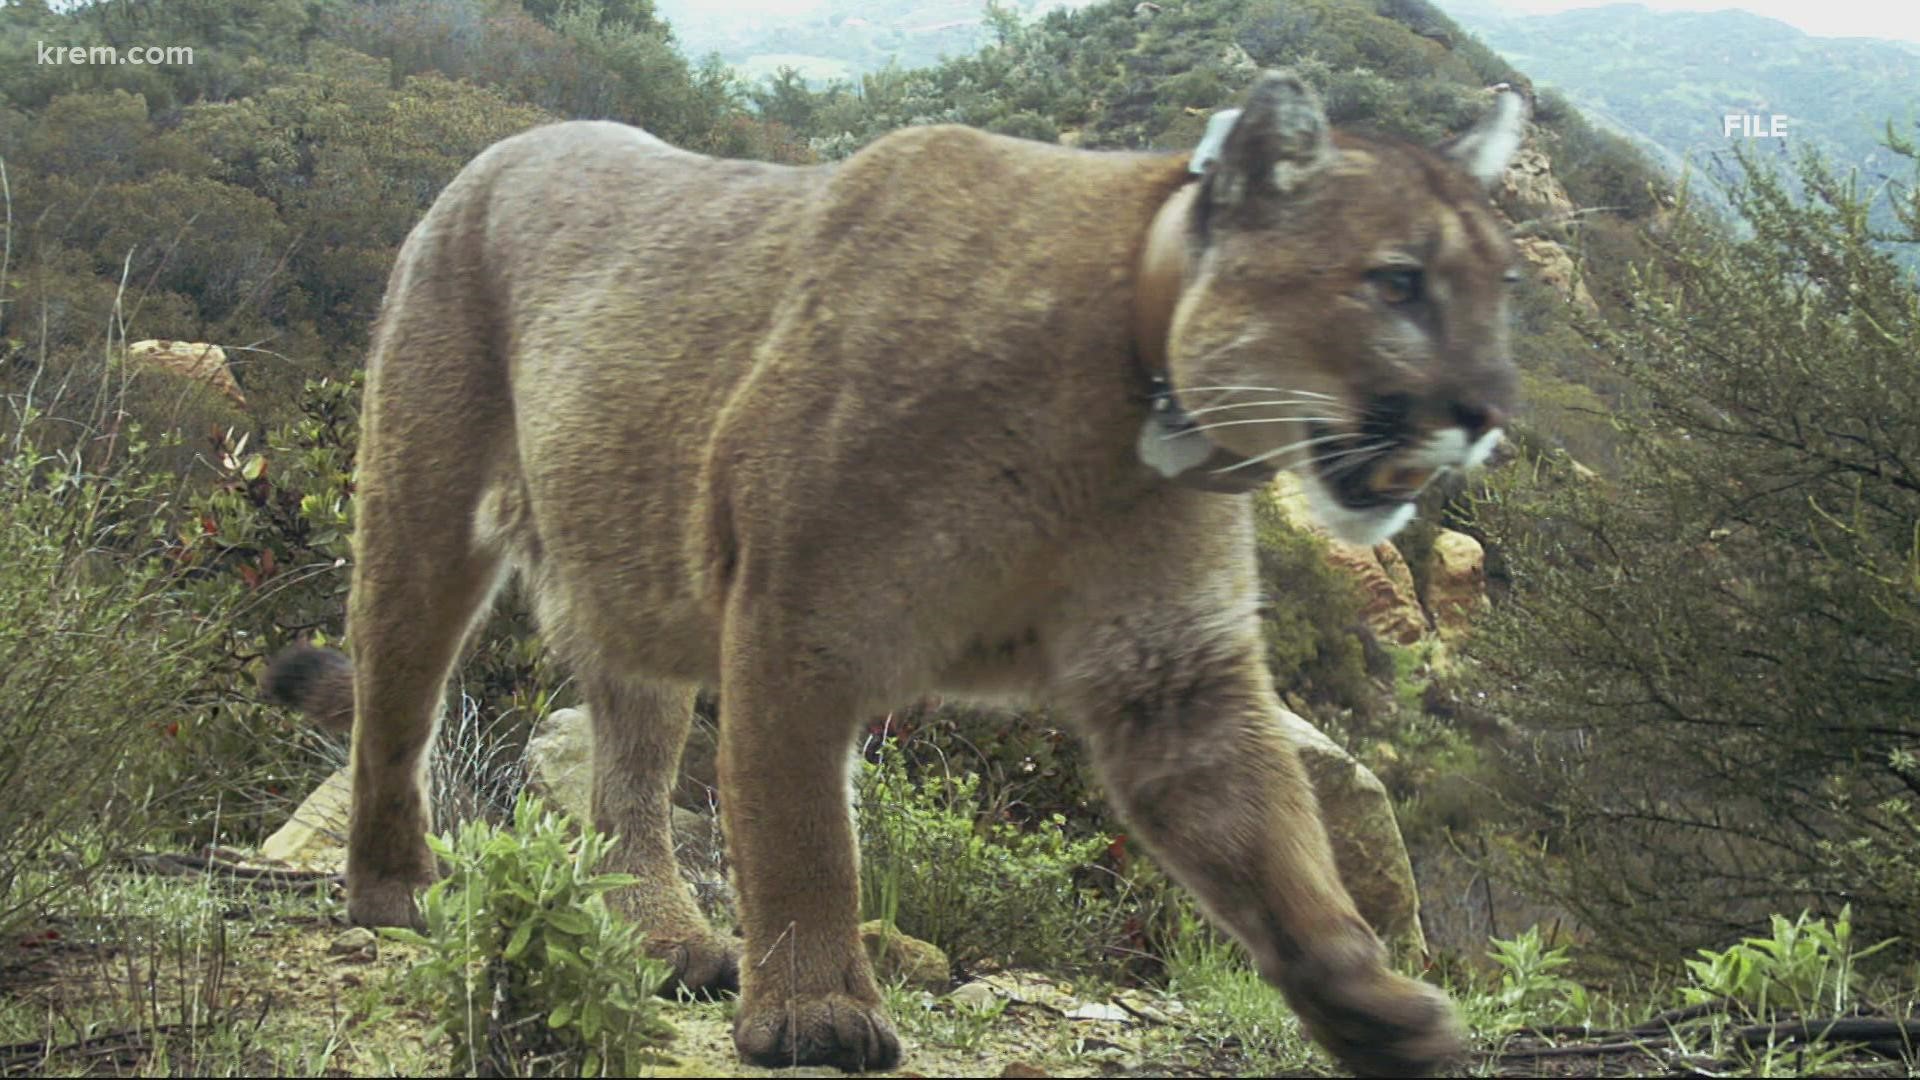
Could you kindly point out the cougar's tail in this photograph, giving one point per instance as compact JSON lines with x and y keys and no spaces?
{"x":318,"y":682}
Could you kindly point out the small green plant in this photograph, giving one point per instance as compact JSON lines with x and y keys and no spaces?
{"x":529,"y":971}
{"x":1529,"y":991}
{"x":1227,"y":1007}
{"x":1805,"y":966}
{"x":931,"y":867}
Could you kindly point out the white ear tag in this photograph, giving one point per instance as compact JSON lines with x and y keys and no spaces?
{"x":1170,"y":450}
{"x":1213,"y":142}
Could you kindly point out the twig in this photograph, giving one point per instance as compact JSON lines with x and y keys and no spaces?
{"x":180,"y":864}
{"x":37,"y":1051}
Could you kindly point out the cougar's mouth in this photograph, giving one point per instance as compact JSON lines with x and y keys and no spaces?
{"x":1363,"y":478}
{"x":1368,"y":468}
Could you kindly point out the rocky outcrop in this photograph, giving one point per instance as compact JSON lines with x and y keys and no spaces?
{"x":1529,"y":186}
{"x":1556,"y":269}
{"x":1456,"y":582}
{"x":1366,"y":837}
{"x":195,"y":360}
{"x":1531,"y":192}
{"x":1389,"y":606}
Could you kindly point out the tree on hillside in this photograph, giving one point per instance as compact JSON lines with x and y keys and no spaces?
{"x":1715,"y":656}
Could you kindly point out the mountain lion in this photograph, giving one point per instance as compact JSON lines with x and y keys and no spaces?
{"x":961,"y":414}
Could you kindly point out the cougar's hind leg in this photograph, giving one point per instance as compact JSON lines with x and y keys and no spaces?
{"x":639,"y":728}
{"x":435,"y":431}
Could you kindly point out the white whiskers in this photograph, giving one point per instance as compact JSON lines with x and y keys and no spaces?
{"x":1289,"y":448}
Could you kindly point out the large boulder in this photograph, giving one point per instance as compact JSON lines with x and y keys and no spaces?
{"x":1388,"y":605}
{"x":1530,"y":191}
{"x":1366,"y":837}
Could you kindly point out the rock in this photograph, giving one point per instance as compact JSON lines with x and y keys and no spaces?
{"x":899,"y":958}
{"x":560,"y":762}
{"x":359,"y":944}
{"x":1366,"y":838}
{"x":1238,"y":61}
{"x":1530,"y":186}
{"x":1389,"y":606}
{"x":973,"y":995}
{"x":1101,"y":1011}
{"x":1533,"y":193}
{"x":1456,"y":573}
{"x":196,"y":360}
{"x":315,"y":837}
{"x":1555,"y":268}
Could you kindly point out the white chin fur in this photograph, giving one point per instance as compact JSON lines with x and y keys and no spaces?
{"x":1363,"y":527}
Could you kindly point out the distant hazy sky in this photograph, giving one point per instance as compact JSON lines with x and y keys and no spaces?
{"x":1827,"y":18}
{"x":1898,"y":19}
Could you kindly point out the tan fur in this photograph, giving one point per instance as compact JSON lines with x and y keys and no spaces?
{"x":831,"y":438}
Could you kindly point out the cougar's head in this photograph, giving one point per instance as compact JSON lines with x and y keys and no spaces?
{"x":1330,"y":304}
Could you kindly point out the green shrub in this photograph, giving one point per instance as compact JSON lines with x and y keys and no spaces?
{"x":1311,"y":615}
{"x":98,"y":660}
{"x":528,"y":970}
{"x":977,"y":888}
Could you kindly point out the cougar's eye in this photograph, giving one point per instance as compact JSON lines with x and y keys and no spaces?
{"x":1398,"y":284}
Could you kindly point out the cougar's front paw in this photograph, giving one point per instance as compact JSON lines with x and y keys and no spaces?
{"x":702,"y":966}
{"x":1377,"y":1023}
{"x":819,"y":1029}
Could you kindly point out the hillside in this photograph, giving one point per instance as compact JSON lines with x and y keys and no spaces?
{"x":1669,"y":78}
{"x":837,"y":39}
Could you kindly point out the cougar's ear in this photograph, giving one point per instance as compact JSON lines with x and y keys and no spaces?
{"x":1272,"y":145}
{"x":1484,"y":150}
